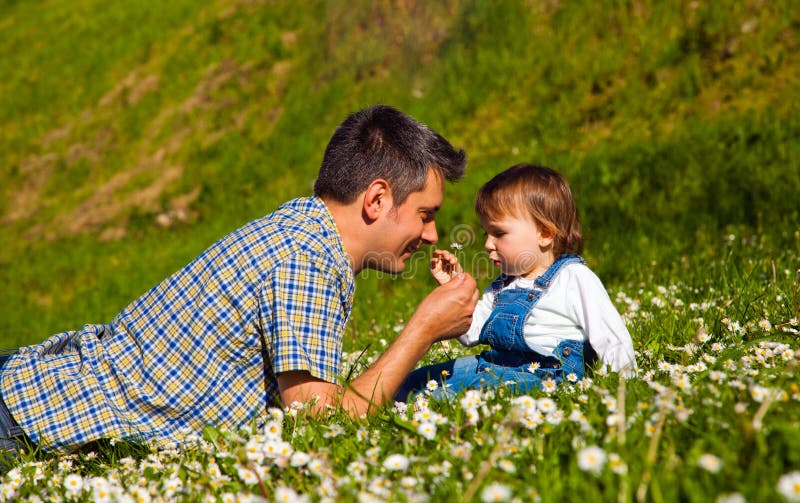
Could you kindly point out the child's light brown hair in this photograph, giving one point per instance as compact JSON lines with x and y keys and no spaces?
{"x":535,"y":192}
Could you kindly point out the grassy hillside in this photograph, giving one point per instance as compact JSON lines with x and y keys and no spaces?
{"x":132,"y":135}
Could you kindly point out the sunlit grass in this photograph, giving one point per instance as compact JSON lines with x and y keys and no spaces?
{"x":711,"y":414}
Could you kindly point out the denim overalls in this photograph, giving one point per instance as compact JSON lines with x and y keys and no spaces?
{"x":510,"y":360}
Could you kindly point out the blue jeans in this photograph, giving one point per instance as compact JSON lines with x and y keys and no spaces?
{"x":495,"y":368}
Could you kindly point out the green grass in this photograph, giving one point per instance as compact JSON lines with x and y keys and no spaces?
{"x":713,"y":412}
{"x":675,"y":122}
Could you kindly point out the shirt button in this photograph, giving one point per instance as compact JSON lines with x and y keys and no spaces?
{"x":566,"y":352}
{"x":530,"y":296}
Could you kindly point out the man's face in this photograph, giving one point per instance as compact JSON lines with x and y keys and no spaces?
{"x":408,"y":226}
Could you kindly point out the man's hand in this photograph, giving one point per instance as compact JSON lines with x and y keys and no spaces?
{"x":444,"y":266}
{"x":447,"y":311}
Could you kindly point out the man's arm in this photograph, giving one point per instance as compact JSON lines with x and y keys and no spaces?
{"x":444,"y":314}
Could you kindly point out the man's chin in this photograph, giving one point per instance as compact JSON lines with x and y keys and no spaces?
{"x":394,"y":267}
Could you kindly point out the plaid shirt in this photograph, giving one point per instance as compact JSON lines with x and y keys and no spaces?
{"x":188,"y":352}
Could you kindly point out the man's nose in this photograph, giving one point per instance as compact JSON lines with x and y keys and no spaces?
{"x":429,"y":234}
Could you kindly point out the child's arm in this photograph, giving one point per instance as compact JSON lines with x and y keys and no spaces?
{"x":602,"y":323}
{"x":444,"y":266}
{"x":479,"y":316}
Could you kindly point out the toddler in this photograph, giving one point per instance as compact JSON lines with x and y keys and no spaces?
{"x":547,"y":314}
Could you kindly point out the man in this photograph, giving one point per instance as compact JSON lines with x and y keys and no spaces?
{"x":260,"y":315}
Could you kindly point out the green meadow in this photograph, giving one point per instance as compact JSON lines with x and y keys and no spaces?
{"x":135,"y":134}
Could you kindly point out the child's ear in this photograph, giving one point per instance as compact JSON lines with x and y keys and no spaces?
{"x":546,"y":237}
{"x":377,"y":199}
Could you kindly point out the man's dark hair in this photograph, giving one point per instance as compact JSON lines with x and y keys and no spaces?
{"x":382,"y":142}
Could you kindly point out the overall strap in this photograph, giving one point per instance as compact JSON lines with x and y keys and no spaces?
{"x":543,"y":281}
{"x":499,"y":283}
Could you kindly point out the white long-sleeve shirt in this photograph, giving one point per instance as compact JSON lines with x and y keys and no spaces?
{"x":576,"y":306}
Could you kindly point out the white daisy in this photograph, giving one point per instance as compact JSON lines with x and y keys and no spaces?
{"x":73,"y":484}
{"x":299,"y":458}
{"x":396,"y":462}
{"x":507,"y":466}
{"x":427,"y":430}
{"x":617,"y":465}
{"x":710,"y":463}
{"x":731,"y":498}
{"x":592,"y":459}
{"x":789,"y":486}
{"x":284,"y":494}
{"x":549,"y":385}
{"x":495,"y":492}
{"x":546,"y":405}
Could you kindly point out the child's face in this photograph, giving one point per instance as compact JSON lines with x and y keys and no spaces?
{"x":518,"y":246}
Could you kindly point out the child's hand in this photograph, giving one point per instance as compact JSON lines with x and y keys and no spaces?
{"x":444,"y":265}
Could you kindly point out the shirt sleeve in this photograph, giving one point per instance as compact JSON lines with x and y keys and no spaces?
{"x":482,"y":311}
{"x":303,"y":314}
{"x":601,"y":321}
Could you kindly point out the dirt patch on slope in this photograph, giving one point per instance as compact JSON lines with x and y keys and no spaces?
{"x":219,"y":104}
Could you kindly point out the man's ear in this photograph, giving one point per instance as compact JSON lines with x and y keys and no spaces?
{"x":377,"y":199}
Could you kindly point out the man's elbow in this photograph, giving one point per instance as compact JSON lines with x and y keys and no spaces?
{"x":301,"y":387}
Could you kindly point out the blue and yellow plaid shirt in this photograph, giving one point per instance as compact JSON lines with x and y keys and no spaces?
{"x":188,"y":352}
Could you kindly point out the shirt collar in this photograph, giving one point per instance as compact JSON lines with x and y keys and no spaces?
{"x":315,"y":208}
